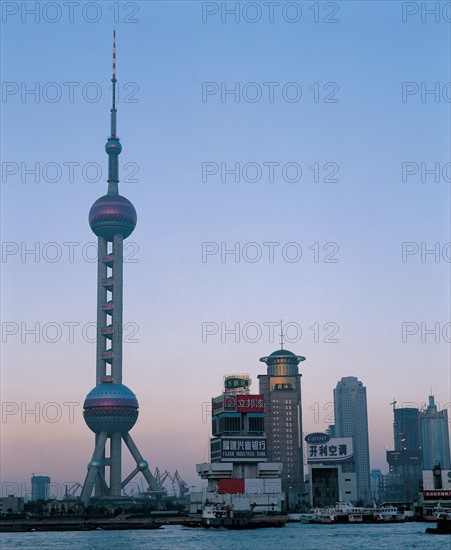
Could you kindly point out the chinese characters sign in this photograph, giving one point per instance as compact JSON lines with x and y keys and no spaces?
{"x":243,"y":448}
{"x":237,"y":382}
{"x":334,"y":451}
{"x":283,"y":383}
{"x":250,"y":403}
{"x":243,"y":403}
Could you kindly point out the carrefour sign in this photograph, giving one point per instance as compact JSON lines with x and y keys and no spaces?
{"x":317,"y":437}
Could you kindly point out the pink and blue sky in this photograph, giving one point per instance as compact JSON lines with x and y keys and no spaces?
{"x":167,"y":133}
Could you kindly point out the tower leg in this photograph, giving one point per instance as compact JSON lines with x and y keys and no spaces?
{"x":99,"y":490}
{"x":93,"y":468}
{"x":115,"y":465}
{"x":153,"y":485}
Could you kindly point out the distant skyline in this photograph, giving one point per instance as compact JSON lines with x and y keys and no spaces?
{"x":361,"y":265}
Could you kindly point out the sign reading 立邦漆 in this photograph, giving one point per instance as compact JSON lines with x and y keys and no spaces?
{"x":250,"y":403}
{"x":331,"y":450}
{"x":242,"y":403}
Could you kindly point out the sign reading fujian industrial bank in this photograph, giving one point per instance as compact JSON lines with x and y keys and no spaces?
{"x":244,"y":448}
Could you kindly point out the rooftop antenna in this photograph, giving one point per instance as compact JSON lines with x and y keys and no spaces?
{"x":281,"y":334}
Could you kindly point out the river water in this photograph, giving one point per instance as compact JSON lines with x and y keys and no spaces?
{"x":294,"y":536}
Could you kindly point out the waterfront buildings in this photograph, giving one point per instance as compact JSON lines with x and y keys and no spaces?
{"x":239,"y":474}
{"x":11,"y":505}
{"x":351,"y":420}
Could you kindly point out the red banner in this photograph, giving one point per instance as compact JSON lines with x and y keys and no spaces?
{"x":231,"y":485}
{"x":437,"y":494}
{"x":250,"y":403}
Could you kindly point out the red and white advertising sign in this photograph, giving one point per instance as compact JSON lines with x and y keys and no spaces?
{"x":250,"y":403}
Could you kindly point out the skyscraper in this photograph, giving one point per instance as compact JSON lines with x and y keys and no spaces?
{"x":435,"y":437}
{"x":351,"y":420}
{"x":40,"y":486}
{"x":406,"y":429}
{"x":403,"y":480}
{"x":111,"y":409}
{"x":281,"y":388}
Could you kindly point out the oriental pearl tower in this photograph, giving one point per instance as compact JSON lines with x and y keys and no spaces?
{"x":111,"y":409}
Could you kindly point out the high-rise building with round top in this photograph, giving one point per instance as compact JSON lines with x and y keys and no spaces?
{"x":281,"y":387}
{"x":111,"y":408}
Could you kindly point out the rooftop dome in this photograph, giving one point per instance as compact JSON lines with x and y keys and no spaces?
{"x":280,"y":352}
{"x":282,"y":362}
{"x":282,"y":356}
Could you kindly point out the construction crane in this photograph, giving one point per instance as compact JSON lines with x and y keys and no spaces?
{"x":182,"y":485}
{"x":70,"y":491}
{"x":393,"y":403}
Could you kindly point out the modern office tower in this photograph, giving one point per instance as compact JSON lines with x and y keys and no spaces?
{"x":111,"y":409}
{"x":405,"y":461}
{"x":377,"y":484}
{"x":239,"y":474}
{"x":351,"y":420}
{"x":404,"y":476}
{"x":406,"y":429}
{"x":40,"y":486}
{"x":281,"y":388}
{"x":435,"y":437}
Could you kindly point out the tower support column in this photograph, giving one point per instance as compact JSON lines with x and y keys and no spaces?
{"x":118,"y":268}
{"x":93,"y":468}
{"x":101,"y":315}
{"x":115,"y":465}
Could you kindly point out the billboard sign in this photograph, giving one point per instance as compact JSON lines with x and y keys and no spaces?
{"x":250,"y":403}
{"x":217,"y":405}
{"x":335,"y":450}
{"x":237,"y":382}
{"x":223,"y":403}
{"x":282,"y":383}
{"x":317,"y":437}
{"x":243,"y":448}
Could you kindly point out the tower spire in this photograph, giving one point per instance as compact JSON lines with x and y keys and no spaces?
{"x":281,"y":334}
{"x":113,"y":146}
{"x":113,"y":80}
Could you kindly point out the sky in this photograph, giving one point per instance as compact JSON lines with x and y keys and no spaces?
{"x":332,"y":114}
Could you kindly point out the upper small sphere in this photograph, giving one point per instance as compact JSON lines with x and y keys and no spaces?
{"x":112,"y":215}
{"x":113,"y":146}
{"x":111,"y":408}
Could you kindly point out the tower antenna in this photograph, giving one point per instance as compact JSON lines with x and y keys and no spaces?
{"x":281,"y":334}
{"x":113,"y":80}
